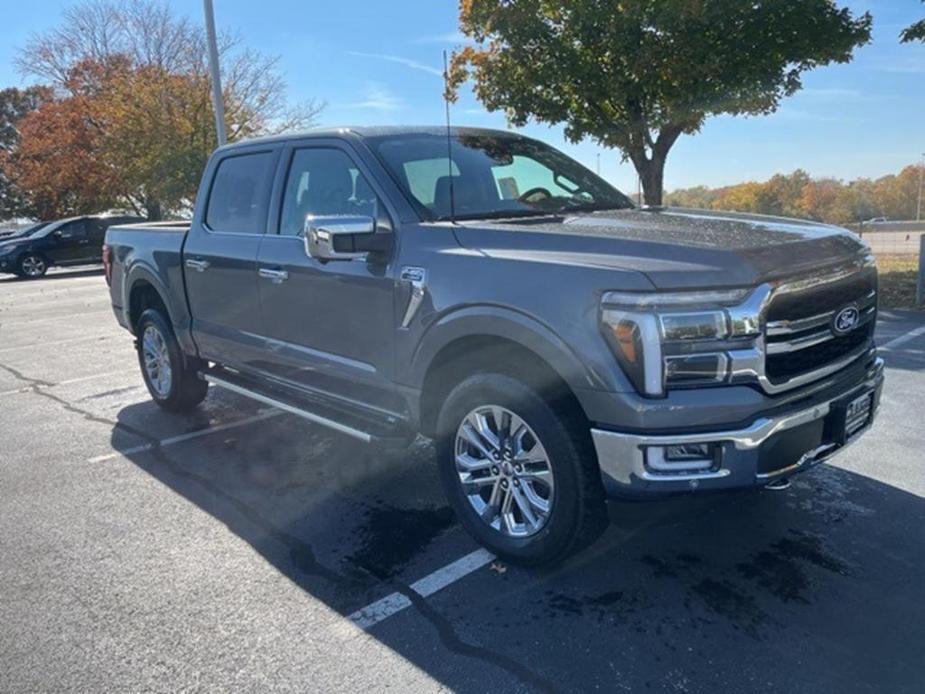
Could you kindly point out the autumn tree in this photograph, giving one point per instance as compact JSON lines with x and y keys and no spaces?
{"x":823,"y":199}
{"x":137,"y":76}
{"x":637,"y":74}
{"x":15,"y":104}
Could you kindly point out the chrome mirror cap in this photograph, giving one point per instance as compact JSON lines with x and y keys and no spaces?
{"x":331,"y":237}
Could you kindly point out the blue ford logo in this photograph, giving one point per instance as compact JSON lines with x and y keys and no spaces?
{"x":846,"y":320}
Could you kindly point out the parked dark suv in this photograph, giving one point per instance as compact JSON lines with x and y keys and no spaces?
{"x":72,"y":241}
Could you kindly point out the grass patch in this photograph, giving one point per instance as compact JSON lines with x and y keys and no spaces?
{"x":898,"y":275}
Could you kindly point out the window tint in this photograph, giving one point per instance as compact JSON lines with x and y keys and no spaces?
{"x":323,"y":182}
{"x":73,"y":230}
{"x":492,"y":176}
{"x":238,"y":200}
{"x":423,"y":174}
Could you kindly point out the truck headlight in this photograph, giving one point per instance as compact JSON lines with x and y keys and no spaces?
{"x":676,"y":338}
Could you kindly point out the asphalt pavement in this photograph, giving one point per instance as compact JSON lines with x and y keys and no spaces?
{"x":233,"y":548}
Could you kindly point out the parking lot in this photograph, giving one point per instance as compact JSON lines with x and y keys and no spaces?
{"x":240,"y":549}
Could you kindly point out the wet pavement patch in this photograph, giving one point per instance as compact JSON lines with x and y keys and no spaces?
{"x":390,"y":537}
{"x":781,"y":569}
{"x":726,"y":600}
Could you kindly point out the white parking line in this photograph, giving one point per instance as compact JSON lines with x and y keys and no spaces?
{"x":382,"y":609}
{"x":903,"y":339}
{"x":187,"y":437}
{"x":68,"y":382}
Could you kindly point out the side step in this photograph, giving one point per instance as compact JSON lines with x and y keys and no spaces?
{"x":354,"y":427}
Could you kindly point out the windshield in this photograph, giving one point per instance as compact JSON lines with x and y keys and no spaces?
{"x":28,"y":231}
{"x":492,"y":176}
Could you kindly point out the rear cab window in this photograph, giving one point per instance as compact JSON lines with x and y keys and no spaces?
{"x":239,"y":194}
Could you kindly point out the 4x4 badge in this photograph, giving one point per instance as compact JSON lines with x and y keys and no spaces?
{"x":417,"y":277}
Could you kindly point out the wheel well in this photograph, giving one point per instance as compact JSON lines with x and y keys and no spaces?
{"x":480,"y":354}
{"x":144,"y":296}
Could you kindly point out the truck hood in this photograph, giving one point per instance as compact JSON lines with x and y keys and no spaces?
{"x":674,"y":248}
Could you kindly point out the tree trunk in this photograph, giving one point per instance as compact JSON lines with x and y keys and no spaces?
{"x":652,"y":175}
{"x":153,"y":210}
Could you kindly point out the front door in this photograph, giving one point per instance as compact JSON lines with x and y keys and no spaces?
{"x":330,"y":325}
{"x":220,"y":256}
{"x":70,"y":244}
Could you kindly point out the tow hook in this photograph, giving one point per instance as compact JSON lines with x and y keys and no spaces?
{"x":778,"y":485}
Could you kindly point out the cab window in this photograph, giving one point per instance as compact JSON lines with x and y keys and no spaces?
{"x":323,"y":182}
{"x":238,"y":199}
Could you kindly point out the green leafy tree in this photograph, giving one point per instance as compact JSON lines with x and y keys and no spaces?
{"x":915,"y":32}
{"x":637,"y":74}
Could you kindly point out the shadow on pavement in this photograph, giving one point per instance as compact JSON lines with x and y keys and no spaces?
{"x":814,"y":589}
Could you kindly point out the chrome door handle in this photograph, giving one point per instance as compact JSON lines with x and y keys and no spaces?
{"x":197,"y":265}
{"x":276,"y":276}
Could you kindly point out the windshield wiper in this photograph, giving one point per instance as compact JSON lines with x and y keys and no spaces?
{"x":499,"y":214}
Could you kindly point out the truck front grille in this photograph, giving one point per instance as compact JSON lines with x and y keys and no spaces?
{"x":800,"y":337}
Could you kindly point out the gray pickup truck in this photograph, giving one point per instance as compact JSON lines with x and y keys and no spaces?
{"x":483,"y":289}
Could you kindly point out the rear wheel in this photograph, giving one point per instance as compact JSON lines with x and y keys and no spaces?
{"x":32,"y":266}
{"x":518,"y":470}
{"x":171,"y":379}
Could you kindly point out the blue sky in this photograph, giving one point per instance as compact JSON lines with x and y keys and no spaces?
{"x":377,"y":62}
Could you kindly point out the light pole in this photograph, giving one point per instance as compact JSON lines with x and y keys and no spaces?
{"x":918,"y":206}
{"x":218,"y":102}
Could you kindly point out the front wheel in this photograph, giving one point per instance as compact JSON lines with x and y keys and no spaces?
{"x":519,"y":471}
{"x":171,"y":379}
{"x":32,"y":266}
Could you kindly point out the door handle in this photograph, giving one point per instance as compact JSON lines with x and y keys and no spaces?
{"x":197,"y":265}
{"x":276,"y":276}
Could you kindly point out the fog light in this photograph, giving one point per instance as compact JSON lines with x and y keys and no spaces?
{"x":681,"y":457}
{"x":696,"y":368}
{"x":687,"y":451}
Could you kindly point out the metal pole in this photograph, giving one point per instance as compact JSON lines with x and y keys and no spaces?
{"x":918,"y":207}
{"x":598,"y":163}
{"x":218,"y":102}
{"x":920,"y":280}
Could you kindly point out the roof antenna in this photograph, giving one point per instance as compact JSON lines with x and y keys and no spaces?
{"x":449,"y":136}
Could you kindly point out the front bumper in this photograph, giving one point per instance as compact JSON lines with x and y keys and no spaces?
{"x":771,"y":447}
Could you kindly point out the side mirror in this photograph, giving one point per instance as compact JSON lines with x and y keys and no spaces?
{"x":343,"y":237}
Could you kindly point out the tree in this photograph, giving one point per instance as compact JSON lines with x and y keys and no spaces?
{"x":637,"y":74}
{"x":139,"y":75}
{"x":14,"y":105}
{"x":915,"y":32}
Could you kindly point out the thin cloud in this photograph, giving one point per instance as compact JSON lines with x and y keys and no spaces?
{"x":378,"y":97}
{"x":451,"y":37}
{"x":407,"y":62}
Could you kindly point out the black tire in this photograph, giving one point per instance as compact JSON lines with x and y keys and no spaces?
{"x":184,"y":390}
{"x":577,"y":514}
{"x":32,"y":266}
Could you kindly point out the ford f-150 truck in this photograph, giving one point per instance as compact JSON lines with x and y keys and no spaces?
{"x":483,"y":289}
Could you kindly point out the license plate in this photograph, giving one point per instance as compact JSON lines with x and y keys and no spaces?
{"x":857,"y":413}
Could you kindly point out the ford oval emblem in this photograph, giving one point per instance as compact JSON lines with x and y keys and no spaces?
{"x":846,"y":320}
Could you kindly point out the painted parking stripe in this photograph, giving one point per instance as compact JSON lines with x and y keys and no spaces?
{"x":903,"y":339}
{"x":25,"y":389}
{"x":382,"y":609}
{"x":187,"y":437}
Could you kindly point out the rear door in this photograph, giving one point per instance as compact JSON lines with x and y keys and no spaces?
{"x":329,"y":325}
{"x":220,"y":255}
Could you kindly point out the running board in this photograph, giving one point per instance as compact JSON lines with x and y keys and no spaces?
{"x":287,"y":407}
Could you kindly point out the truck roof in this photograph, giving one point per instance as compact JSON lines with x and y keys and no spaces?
{"x":373,"y":131}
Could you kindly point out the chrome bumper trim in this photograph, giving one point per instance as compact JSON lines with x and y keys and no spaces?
{"x":622,"y":456}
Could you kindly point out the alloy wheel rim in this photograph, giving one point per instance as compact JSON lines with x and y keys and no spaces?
{"x":504,"y":471}
{"x":156,"y":360}
{"x":33,"y":266}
